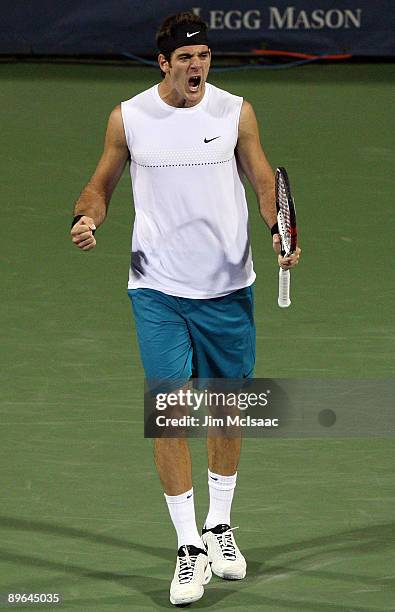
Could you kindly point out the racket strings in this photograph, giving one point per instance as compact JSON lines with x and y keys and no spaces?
{"x":284,"y":217}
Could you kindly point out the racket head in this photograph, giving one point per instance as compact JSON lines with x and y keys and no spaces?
{"x":286,"y":212}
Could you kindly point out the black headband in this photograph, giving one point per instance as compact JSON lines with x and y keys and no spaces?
{"x":184,"y":35}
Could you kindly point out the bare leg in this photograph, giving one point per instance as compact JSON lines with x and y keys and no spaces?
{"x":223,"y":455}
{"x":173,"y":462}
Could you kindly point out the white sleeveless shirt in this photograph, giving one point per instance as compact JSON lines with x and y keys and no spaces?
{"x":190,"y":236}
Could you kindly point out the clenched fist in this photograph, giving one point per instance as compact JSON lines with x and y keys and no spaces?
{"x":82,"y":233}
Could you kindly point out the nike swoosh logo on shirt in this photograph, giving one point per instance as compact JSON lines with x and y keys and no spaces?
{"x":210,"y":139}
{"x":192,"y":34}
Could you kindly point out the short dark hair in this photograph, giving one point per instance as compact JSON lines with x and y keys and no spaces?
{"x":168,"y":25}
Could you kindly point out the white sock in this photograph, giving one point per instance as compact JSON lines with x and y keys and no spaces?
{"x":221,"y":489}
{"x":182,"y":513}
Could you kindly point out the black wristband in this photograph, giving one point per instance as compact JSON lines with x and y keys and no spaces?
{"x":274,"y":229}
{"x":76,"y":219}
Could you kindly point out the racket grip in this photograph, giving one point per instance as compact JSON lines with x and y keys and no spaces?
{"x":284,"y":277}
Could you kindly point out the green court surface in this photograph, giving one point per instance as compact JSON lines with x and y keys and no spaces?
{"x":81,"y":509}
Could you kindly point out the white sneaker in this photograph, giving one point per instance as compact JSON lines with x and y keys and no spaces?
{"x":223,"y":553}
{"x":192,"y":572}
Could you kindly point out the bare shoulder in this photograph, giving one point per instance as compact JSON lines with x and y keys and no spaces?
{"x":115,"y":129}
{"x":248,"y":124}
{"x":247,"y":108}
{"x":247,"y":111}
{"x":116,"y":113}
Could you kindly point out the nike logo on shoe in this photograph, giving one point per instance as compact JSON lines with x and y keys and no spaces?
{"x":192,"y":34}
{"x":209,"y":140}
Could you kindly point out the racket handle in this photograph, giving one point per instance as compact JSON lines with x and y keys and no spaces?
{"x":284,"y":277}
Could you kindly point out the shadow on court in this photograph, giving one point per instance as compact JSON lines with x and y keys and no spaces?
{"x":367,"y":540}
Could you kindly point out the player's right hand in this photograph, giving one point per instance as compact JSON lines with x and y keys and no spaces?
{"x":81,"y":233}
{"x":290,"y":261}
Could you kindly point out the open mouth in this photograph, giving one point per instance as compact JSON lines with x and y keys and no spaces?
{"x":194,"y":83}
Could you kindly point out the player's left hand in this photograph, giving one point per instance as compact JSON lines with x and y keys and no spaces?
{"x":286,"y":263}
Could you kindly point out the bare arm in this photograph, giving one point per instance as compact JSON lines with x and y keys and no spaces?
{"x":255,"y":165}
{"x":95,"y":197}
{"x":260,"y":174}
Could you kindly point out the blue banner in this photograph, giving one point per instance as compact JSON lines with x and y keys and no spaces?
{"x":116,"y":27}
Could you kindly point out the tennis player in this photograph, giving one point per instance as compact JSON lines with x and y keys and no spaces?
{"x":191,"y":273}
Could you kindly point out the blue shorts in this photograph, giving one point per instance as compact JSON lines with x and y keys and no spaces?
{"x":180,"y":338}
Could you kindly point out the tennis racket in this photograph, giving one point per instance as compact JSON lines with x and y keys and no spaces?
{"x":286,"y":219}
